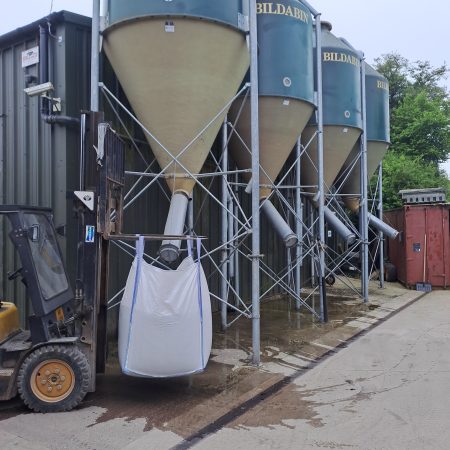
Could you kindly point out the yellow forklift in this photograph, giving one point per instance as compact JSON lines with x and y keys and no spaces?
{"x":44,"y":363}
{"x":53,"y":363}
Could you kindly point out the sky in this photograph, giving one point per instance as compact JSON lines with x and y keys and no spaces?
{"x":417,"y":30}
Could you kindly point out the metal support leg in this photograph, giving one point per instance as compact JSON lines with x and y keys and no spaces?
{"x":364,"y":222}
{"x":312,"y":230}
{"x":380,"y":215}
{"x":298,"y":225}
{"x":255,"y":181}
{"x":231,"y":268}
{"x":190,"y":215}
{"x":321,"y":184}
{"x":224,"y":229}
{"x":95,"y":55}
{"x":237,"y":273}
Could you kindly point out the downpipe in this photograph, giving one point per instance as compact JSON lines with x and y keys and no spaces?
{"x":44,"y":78}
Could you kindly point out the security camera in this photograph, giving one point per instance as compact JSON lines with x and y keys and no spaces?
{"x":40,"y":89}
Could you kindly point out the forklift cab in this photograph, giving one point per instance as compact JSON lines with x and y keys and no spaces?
{"x":46,"y":364}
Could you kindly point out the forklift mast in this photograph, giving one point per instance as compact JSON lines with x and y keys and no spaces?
{"x":98,"y":205}
{"x":54,"y":363}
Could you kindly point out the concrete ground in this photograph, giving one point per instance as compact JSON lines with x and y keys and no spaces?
{"x":387,"y":390}
{"x":305,"y":395}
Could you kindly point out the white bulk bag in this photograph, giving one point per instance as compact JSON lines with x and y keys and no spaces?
{"x":165,"y":324}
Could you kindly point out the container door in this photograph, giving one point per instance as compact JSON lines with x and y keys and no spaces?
{"x":437,"y":246}
{"x":416,"y":253}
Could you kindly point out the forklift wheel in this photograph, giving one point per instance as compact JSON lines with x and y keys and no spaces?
{"x":54,"y":378}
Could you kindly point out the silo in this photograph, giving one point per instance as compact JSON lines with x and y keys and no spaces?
{"x":179,"y":63}
{"x":378,"y":137}
{"x":341,"y":110}
{"x":286,"y":95}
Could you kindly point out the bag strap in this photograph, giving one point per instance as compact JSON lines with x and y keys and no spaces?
{"x":199,"y":249}
{"x":189,"y":247}
{"x":140,"y":245}
{"x":200,"y":300}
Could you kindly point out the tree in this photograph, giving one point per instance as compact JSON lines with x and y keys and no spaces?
{"x":420,"y":126}
{"x":395,"y":68}
{"x":403,"y":172}
{"x":426,"y":78}
{"x":405,"y":77}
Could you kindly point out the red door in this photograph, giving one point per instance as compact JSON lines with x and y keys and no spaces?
{"x":438,"y":245}
{"x":415,"y":252}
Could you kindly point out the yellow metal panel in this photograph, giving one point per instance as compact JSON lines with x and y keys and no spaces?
{"x":338,"y":142}
{"x":375,"y":154}
{"x":9,"y":320}
{"x":177,"y":82}
{"x":280,"y":124}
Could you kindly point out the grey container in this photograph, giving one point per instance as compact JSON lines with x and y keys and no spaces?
{"x":37,"y":159}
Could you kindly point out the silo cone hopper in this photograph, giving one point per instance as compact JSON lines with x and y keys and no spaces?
{"x":286,"y":95}
{"x":378,"y":139}
{"x":179,"y":64}
{"x":341,"y":115}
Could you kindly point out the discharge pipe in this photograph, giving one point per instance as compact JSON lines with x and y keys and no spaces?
{"x":338,"y":226}
{"x":379,"y":225}
{"x":350,"y":237}
{"x":276,"y":220}
{"x":176,"y":219}
{"x":279,"y":224}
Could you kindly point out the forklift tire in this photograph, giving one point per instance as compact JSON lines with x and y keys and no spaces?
{"x":54,"y":378}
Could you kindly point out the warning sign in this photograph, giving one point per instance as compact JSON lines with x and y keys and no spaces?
{"x":30,"y":57}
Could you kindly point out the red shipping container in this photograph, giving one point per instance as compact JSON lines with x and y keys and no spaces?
{"x":421,"y":253}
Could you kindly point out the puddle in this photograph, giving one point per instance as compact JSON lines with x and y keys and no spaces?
{"x":284,"y":330}
{"x":160,"y":402}
{"x":288,"y":404}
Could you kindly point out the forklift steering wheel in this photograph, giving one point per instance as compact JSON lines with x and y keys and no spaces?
{"x":15,"y":274}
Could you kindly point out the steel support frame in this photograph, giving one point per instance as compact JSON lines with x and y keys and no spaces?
{"x":233,"y":229}
{"x":380,"y":216}
{"x":364,"y":204}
